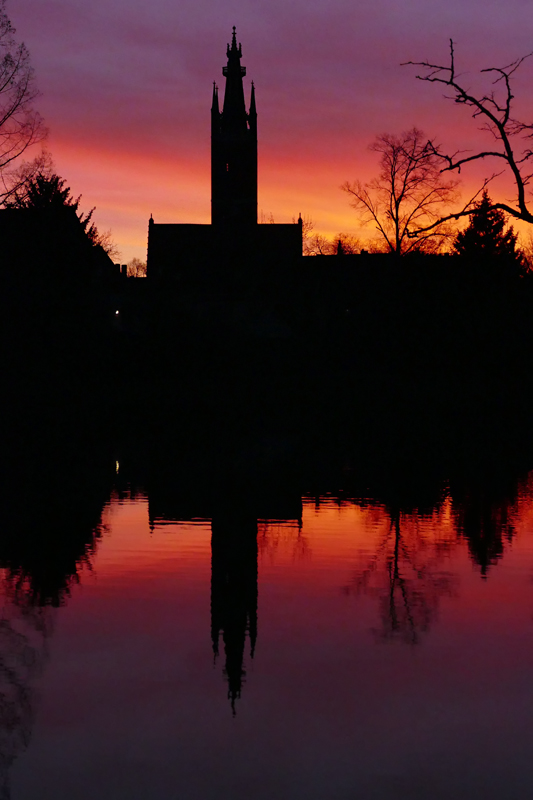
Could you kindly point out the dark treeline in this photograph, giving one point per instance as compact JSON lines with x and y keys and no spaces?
{"x":264,"y":380}
{"x":370,"y":380}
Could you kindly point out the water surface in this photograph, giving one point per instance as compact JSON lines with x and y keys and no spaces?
{"x":357,"y":649}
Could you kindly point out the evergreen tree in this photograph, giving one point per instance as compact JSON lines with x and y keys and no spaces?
{"x":45,"y":190}
{"x":485,"y":239}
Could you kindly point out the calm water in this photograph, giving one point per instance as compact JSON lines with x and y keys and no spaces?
{"x":353,"y":651}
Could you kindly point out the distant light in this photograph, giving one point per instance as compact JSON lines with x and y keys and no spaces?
{"x":116,"y":313}
{"x":117,"y":465}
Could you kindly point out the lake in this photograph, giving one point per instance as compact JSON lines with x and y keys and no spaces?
{"x":353,"y":647}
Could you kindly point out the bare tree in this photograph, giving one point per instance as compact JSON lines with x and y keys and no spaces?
{"x":405,"y":573}
{"x":313,"y":243}
{"x":20,"y":125}
{"x":136,"y":268}
{"x":107,"y":243}
{"x":345,"y":244}
{"x":316,"y":244}
{"x":409,"y":192}
{"x":526,"y":248}
{"x":512,"y":137}
{"x":17,"y":180}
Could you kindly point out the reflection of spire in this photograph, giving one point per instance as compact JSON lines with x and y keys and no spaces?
{"x":234,"y":594}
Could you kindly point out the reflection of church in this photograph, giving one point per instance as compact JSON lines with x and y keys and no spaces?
{"x":234,"y":595}
{"x":234,"y":500}
{"x":182,"y":253}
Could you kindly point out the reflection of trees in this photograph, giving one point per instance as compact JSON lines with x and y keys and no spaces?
{"x":44,"y":545}
{"x":485,"y":518}
{"x":234,"y":594}
{"x":24,"y":632}
{"x":43,"y":553}
{"x":286,"y":535}
{"x":404,"y":572}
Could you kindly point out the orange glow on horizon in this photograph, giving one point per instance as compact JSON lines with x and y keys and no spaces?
{"x":126,"y":96}
{"x":126,"y":187}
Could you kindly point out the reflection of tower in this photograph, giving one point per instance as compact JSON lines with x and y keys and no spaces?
{"x":233,"y":148}
{"x":234,"y":594}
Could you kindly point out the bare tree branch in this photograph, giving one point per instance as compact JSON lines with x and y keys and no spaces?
{"x":410,"y":192}
{"x":496,"y":111}
{"x":20,"y":126}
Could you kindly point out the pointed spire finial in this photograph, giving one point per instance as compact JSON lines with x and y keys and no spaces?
{"x":214,"y":104}
{"x":253,"y":111}
{"x":233,"y":50}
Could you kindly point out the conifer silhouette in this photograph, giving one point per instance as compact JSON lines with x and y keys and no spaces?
{"x":51,"y":191}
{"x":486,"y":237}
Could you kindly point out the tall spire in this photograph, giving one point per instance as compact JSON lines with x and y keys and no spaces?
{"x":252,"y":101}
{"x":234,"y":43}
{"x":252,"y":114}
{"x":234,"y":73}
{"x":233,"y":147}
{"x":214,"y":105}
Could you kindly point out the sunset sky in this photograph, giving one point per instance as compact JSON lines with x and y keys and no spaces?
{"x":126,"y":92}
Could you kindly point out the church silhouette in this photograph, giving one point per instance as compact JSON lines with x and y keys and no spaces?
{"x":185,"y":253}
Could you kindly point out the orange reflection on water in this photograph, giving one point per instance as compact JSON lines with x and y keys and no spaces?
{"x":354,"y":625}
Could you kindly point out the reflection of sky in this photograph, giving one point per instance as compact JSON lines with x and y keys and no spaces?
{"x":126,"y":90}
{"x":133,"y":707}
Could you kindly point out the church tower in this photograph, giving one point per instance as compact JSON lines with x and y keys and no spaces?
{"x":187,"y":254}
{"x":233,"y":149}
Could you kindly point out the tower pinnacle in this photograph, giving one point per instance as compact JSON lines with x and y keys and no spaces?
{"x":234,"y":147}
{"x":214,"y":105}
{"x":253,"y":109}
{"x":234,"y":48}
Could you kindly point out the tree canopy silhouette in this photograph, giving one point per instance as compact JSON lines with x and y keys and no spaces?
{"x":46,"y":189}
{"x":136,"y":268}
{"x":409,"y":192}
{"x":20,"y":125}
{"x":486,"y":237}
{"x":495,"y":110}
